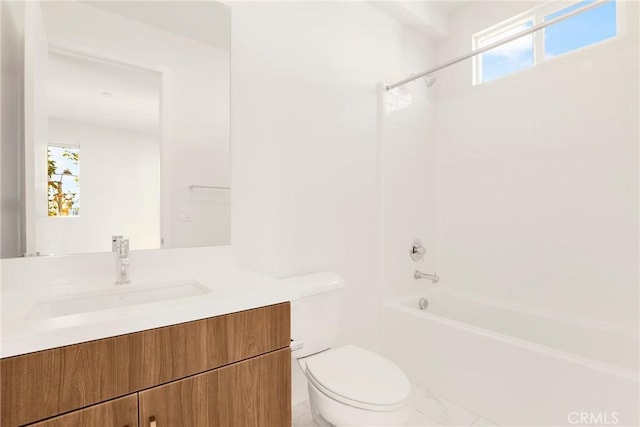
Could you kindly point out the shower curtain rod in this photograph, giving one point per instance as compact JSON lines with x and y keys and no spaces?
{"x":496,"y":44}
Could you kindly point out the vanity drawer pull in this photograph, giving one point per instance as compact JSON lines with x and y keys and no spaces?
{"x":152,"y":421}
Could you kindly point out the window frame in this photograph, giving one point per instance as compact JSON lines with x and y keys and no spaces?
{"x":493,"y":31}
{"x":535,"y":15}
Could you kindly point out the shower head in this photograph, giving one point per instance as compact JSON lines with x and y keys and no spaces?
{"x":430,"y":79}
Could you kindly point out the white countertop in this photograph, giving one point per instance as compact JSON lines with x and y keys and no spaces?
{"x":230,"y":290}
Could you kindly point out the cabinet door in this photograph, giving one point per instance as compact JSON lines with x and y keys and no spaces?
{"x":255,"y":392}
{"x":121,"y":412}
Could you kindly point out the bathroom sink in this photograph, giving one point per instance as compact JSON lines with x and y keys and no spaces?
{"x":114,"y":296}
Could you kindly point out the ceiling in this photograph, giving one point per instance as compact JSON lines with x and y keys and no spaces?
{"x":450,"y":7}
{"x":88,"y":90}
{"x":205,"y":21}
{"x":430,"y":18}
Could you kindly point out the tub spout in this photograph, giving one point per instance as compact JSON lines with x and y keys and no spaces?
{"x":420,"y":275}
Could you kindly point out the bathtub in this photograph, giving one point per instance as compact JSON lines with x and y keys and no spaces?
{"x":515,"y":365}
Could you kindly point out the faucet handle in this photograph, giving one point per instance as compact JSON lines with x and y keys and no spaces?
{"x":417,"y":250}
{"x":115,"y":243}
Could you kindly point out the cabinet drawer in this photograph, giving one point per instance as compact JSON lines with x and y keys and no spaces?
{"x":47,"y":383}
{"x":254,"y":392}
{"x":122,"y":412}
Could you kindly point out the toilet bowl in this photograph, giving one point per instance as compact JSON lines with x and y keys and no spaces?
{"x":348,"y":385}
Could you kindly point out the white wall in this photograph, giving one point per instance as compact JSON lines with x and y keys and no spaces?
{"x":538,"y":175}
{"x":306,"y":160}
{"x":11,"y":51}
{"x":195,"y":112}
{"x":119,"y":190}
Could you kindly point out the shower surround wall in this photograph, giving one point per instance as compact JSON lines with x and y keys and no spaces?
{"x":538,"y":175}
{"x":408,"y":168}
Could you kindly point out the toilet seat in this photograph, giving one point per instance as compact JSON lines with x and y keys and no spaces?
{"x":359,"y":378}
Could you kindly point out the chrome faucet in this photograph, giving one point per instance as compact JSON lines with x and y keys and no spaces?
{"x":420,"y":275}
{"x":120,"y":246}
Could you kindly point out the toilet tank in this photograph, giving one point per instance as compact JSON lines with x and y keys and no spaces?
{"x":314,"y":316}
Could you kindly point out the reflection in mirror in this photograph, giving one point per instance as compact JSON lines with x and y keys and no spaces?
{"x":126,"y":127}
{"x":116,"y":139}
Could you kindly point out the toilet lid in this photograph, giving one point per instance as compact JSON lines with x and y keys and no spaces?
{"x":359,"y":375}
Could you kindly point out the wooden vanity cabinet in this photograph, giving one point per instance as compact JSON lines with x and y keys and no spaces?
{"x":231,"y":370}
{"x":255,"y":392}
{"x":122,"y":412}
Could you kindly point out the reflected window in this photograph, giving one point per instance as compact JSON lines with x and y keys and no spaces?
{"x":63,"y":181}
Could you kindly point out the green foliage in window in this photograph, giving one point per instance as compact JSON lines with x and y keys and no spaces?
{"x":63,"y":181}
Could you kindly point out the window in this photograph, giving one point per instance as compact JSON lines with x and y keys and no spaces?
{"x":581,"y":30}
{"x":63,"y":180}
{"x":508,"y":58}
{"x":584,"y":29}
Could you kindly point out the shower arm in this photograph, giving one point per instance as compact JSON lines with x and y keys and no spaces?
{"x":496,"y":44}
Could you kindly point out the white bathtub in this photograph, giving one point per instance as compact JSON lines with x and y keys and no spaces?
{"x":515,"y":365}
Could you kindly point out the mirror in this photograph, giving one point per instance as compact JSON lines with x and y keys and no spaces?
{"x":126,"y":127}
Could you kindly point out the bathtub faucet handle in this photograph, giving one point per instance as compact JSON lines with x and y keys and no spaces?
{"x":417,"y":250}
{"x":420,"y":275}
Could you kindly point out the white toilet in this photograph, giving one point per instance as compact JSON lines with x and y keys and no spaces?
{"x":348,"y":386}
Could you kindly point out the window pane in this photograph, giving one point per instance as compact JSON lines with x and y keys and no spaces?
{"x":581,"y":30}
{"x":508,"y":58}
{"x":63,"y":181}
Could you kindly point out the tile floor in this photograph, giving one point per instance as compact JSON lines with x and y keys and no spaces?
{"x":428,"y":410}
